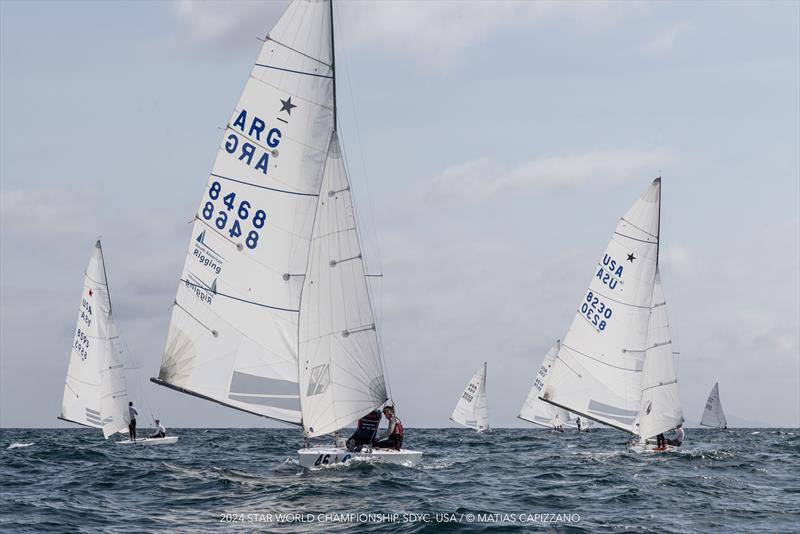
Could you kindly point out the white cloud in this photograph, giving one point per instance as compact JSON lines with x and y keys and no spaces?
{"x":434,"y":32}
{"x":481,"y":177}
{"x":665,"y":40}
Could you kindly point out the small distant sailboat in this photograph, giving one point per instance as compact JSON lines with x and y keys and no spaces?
{"x":472,"y":410}
{"x":536,"y":411}
{"x":713,"y":416}
{"x":615,"y":365}
{"x":273,"y":314}
{"x":95,"y":389}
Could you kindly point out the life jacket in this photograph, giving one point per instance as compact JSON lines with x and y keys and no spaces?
{"x":398,"y":428}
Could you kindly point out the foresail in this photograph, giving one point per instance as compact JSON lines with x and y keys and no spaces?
{"x":598,"y":370}
{"x":341,"y":371}
{"x":88,"y":395}
{"x":713,"y":415}
{"x":471,"y":409}
{"x":660,"y":408}
{"x":114,"y":401}
{"x":233,"y":334}
{"x":535,"y":410}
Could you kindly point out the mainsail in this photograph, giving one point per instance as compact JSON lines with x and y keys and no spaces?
{"x":233,"y":336}
{"x":472,"y":410}
{"x":272,"y":314}
{"x":713,"y":415}
{"x":536,"y":411}
{"x":598,"y":369}
{"x":94,"y":391}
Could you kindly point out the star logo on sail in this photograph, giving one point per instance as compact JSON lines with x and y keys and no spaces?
{"x":631,"y":257}
{"x":287,"y":106}
{"x":91,"y":293}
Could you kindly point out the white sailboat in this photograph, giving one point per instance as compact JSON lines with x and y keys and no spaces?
{"x":713,"y":415}
{"x":273,"y":314}
{"x":536,"y":411}
{"x":95,"y":390}
{"x":471,"y":409}
{"x":615,"y":365}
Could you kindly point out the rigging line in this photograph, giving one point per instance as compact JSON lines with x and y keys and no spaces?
{"x":600,"y":361}
{"x":298,"y":51}
{"x":636,"y":239}
{"x":293,"y":71}
{"x":202,"y":287}
{"x":193,"y":317}
{"x":638,"y":228}
{"x":108,"y":289}
{"x":264,"y":186}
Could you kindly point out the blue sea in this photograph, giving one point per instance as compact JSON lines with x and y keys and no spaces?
{"x":507,"y":480}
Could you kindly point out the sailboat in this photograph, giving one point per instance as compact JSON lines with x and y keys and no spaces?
{"x":536,"y":411}
{"x":713,"y":415}
{"x":615,"y":365}
{"x":95,"y":389}
{"x":273,"y":314}
{"x":471,"y":409}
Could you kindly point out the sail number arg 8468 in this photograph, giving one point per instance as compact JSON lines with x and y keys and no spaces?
{"x":239,"y":216}
{"x":596,"y":311}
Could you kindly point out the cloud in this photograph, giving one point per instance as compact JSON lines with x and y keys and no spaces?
{"x":484,"y":176}
{"x":665,"y":40}
{"x":433,"y":32}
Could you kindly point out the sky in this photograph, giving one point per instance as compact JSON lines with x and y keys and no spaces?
{"x":492,"y":147}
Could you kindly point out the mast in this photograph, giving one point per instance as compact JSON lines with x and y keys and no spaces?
{"x":105,"y":276}
{"x":658,"y":242}
{"x":333,"y":67}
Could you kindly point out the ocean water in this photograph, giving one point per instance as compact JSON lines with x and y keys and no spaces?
{"x":248,"y":480}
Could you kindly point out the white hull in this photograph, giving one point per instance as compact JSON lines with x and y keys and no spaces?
{"x":650,"y":447}
{"x":169,"y":440}
{"x":322,"y":456}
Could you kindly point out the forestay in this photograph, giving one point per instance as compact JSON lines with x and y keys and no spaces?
{"x":94,"y":391}
{"x":598,"y":369}
{"x":660,"y":408}
{"x":341,"y":372}
{"x":233,"y":335}
{"x":472,"y":410}
{"x":536,"y":411}
{"x":713,"y":415}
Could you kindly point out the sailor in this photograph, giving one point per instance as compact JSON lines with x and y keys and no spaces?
{"x":366,"y":431}
{"x":578,"y":423}
{"x":679,"y":435}
{"x":392,"y":438}
{"x":132,"y":413}
{"x":661,"y":442}
{"x":160,"y":432}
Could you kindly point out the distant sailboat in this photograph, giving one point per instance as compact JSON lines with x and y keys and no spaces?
{"x":95,"y":390}
{"x":615,"y":365}
{"x":472,"y":410}
{"x":536,"y":411}
{"x":713,"y":415}
{"x":273,"y":314}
